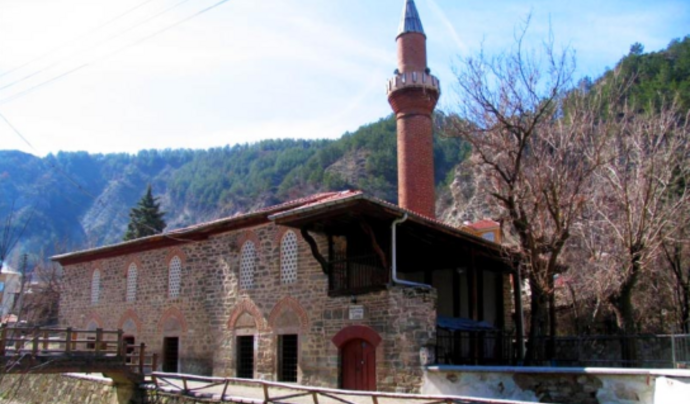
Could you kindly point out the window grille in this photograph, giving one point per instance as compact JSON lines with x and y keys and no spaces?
{"x":95,"y":286}
{"x":287,"y":358}
{"x":288,"y":258}
{"x":174,"y":277}
{"x":132,"y":283}
{"x":247,"y":265}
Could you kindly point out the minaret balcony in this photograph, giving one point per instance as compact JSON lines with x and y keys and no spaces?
{"x":413,"y":80}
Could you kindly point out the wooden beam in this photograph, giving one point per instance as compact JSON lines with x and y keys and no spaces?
{"x":374,"y":242}
{"x":325,"y":267}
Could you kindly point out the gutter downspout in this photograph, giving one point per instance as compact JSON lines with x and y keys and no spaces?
{"x":394,"y":269}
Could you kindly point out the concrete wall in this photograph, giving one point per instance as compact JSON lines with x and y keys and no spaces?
{"x":561,"y":385}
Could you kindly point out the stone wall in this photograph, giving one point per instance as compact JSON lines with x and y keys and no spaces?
{"x":559,"y":385}
{"x":57,"y":389}
{"x":212,"y":310}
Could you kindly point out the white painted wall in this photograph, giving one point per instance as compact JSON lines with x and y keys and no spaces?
{"x":671,"y":391}
{"x":475,"y":384}
{"x":618,"y":386}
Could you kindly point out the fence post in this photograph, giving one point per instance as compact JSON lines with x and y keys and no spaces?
{"x":99,"y":340}
{"x":266,"y":397}
{"x":142,"y":350}
{"x":68,"y":340}
{"x":34,"y":344}
{"x":121,"y":350}
{"x":154,"y":362}
{"x":45,"y":340}
{"x":673,"y":351}
{"x":3,"y":338}
{"x":225,"y":389}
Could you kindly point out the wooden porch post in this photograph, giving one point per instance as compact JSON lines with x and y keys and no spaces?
{"x":3,"y":338}
{"x":519,"y":325}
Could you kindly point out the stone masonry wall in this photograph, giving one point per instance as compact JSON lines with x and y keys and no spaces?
{"x":57,"y":389}
{"x":211,"y":310}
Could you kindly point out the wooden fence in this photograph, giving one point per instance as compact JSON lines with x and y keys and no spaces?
{"x":56,"y":343}
{"x":252,"y":391}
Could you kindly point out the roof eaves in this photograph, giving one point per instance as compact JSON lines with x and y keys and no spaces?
{"x":396,"y":209}
{"x":317,"y":206}
{"x":182,"y":235}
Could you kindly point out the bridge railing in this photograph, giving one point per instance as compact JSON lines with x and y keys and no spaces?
{"x":35,"y":341}
{"x":139,"y":360}
{"x":71,"y":342}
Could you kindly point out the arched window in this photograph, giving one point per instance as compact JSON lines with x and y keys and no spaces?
{"x":288,"y":258}
{"x":95,"y":286}
{"x":132,"y":283}
{"x":247,"y":265}
{"x":174,"y":277}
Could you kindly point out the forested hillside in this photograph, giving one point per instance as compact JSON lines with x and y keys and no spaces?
{"x":79,"y":200}
{"x":658,"y":76}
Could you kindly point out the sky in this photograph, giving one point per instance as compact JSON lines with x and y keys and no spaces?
{"x":125,"y":75}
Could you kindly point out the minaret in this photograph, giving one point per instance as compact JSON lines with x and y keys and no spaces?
{"x":413,"y":94}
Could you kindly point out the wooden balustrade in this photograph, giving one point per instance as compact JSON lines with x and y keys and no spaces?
{"x":75,"y":343}
{"x":218,"y":389}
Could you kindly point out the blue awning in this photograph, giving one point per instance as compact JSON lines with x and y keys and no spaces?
{"x":463,"y":324}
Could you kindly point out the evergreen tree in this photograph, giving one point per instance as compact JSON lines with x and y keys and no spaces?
{"x":146,"y":219}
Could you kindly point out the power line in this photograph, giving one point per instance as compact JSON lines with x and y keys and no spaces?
{"x":93,"y":46}
{"x":31,"y":89}
{"x":72,"y":181}
{"x":17,"y":132}
{"x":69,"y":42}
{"x":53,"y":166}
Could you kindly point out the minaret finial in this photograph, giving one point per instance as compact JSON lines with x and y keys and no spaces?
{"x":410,"y":20}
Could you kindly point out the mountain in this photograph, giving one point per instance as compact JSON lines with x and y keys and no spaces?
{"x":76,"y":200}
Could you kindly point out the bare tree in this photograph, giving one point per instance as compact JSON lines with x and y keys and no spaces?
{"x":639,"y":204}
{"x":11,"y":231}
{"x":536,"y":142}
{"x":676,"y":257}
{"x":41,"y":295}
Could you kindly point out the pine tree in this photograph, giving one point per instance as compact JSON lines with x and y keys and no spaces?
{"x":146,"y":219}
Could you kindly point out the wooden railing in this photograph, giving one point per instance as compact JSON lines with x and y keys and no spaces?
{"x":352,"y":275}
{"x":217,"y":389}
{"x":17,"y":342}
{"x":139,"y":360}
{"x":37,"y":341}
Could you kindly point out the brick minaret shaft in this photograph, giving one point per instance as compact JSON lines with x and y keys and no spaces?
{"x":413,"y":94}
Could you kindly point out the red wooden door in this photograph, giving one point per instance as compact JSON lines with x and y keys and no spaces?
{"x":358,"y":365}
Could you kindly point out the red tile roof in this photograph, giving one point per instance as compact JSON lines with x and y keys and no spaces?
{"x":484,"y":224}
{"x":202,"y":230}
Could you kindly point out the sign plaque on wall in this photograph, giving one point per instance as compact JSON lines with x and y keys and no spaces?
{"x":356,"y":312}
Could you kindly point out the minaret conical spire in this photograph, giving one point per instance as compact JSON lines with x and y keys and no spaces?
{"x":413,"y":93}
{"x":410,"y":19}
